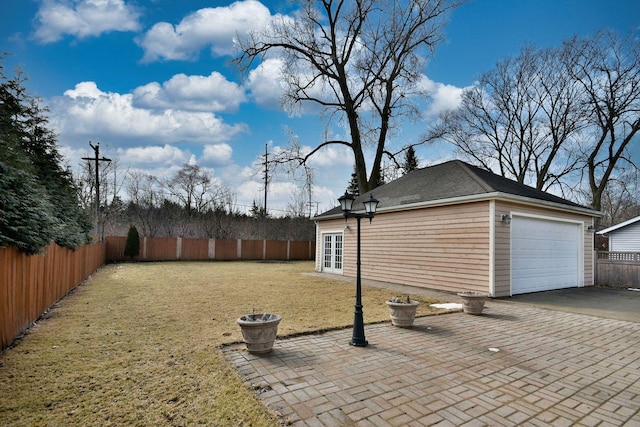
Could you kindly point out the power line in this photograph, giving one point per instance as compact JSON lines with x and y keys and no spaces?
{"x":97,"y":159}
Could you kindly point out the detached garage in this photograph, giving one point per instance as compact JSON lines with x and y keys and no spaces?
{"x":457,"y":227}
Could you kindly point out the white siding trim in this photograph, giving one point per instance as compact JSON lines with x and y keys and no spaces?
{"x":317,"y":249}
{"x":484,"y":197}
{"x":492,"y":247}
{"x":546,"y":217}
{"x":323,"y":233}
{"x":333,"y":231}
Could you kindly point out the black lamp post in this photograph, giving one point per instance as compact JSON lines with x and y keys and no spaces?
{"x":370,"y":205}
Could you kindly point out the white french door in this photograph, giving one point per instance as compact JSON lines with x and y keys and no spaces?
{"x":332,"y":253}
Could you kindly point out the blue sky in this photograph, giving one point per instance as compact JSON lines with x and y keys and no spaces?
{"x":150,"y":80}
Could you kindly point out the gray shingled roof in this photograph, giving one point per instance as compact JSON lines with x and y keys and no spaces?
{"x":449,"y":180}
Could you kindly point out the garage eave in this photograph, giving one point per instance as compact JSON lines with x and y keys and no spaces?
{"x":551,"y":205}
{"x":478,"y":198}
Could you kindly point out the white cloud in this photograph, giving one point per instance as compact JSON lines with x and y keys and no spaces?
{"x":234,"y":173}
{"x":83,"y":18}
{"x":331,"y":156}
{"x":267,"y":87}
{"x":194,"y":93}
{"x":217,"y":154}
{"x":88,"y":111}
{"x":216,"y":27}
{"x":249,"y":191}
{"x":265,"y":84}
{"x":443,"y":96}
{"x":154,"y":155}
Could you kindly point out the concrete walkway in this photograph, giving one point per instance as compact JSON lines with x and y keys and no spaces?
{"x":518,"y":364}
{"x":621,"y":304}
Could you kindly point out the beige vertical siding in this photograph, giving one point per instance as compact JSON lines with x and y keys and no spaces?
{"x":443,"y":248}
{"x":502,"y":251}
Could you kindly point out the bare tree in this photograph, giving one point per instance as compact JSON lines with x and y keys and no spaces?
{"x":562,"y":112}
{"x":145,"y":194}
{"x":298,"y":204}
{"x":193,"y":188}
{"x":359,"y":60}
{"x":85,"y":183}
{"x":520,"y":120}
{"x":112,"y":180}
{"x":218,"y":224}
{"x":548,"y":116}
{"x":620,"y":200}
{"x":608,"y":69}
{"x":198,"y":193}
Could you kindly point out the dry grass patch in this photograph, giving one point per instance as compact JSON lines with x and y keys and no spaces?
{"x":139,"y":344}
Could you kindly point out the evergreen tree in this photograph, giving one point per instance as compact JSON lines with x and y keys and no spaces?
{"x":410,"y":162}
{"x":25,"y":219}
{"x":132,"y":245}
{"x":257,"y":211}
{"x":38,"y":198}
{"x":353,"y":187}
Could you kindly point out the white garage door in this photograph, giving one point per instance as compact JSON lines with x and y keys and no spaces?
{"x":545,"y":255}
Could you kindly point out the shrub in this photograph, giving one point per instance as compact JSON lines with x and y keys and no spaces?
{"x":132,"y":246}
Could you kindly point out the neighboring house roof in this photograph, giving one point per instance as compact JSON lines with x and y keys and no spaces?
{"x":451,"y":182}
{"x":619,"y":226}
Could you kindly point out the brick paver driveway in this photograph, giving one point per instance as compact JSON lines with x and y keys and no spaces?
{"x":515,"y":365}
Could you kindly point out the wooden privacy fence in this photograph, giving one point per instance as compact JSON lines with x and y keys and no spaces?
{"x":29,"y":284}
{"x":177,"y":248}
{"x":618,"y":269}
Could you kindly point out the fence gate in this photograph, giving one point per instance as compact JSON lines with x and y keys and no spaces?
{"x":332,"y":253}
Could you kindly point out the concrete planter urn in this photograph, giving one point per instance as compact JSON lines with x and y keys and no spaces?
{"x":402,"y":311}
{"x":473,"y":302}
{"x":259,"y":331}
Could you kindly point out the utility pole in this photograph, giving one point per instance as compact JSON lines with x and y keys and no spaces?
{"x":97,"y":159}
{"x":266,"y":175}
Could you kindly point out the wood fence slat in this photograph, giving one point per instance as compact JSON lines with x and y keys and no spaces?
{"x":276,"y":250}
{"x":618,"y":269}
{"x":186,"y":249}
{"x":195,"y":249}
{"x":252,"y":249}
{"x":31,"y":284}
{"x":226,"y":250}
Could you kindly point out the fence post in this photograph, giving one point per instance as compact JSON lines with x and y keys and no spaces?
{"x":288,"y":250}
{"x":144,"y":248}
{"x":212,"y":249}
{"x":239,"y":249}
{"x":179,"y":248}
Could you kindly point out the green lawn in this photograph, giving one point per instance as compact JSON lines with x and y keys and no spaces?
{"x":139,"y":344}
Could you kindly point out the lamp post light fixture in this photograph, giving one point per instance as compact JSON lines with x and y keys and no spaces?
{"x":346,"y":203}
